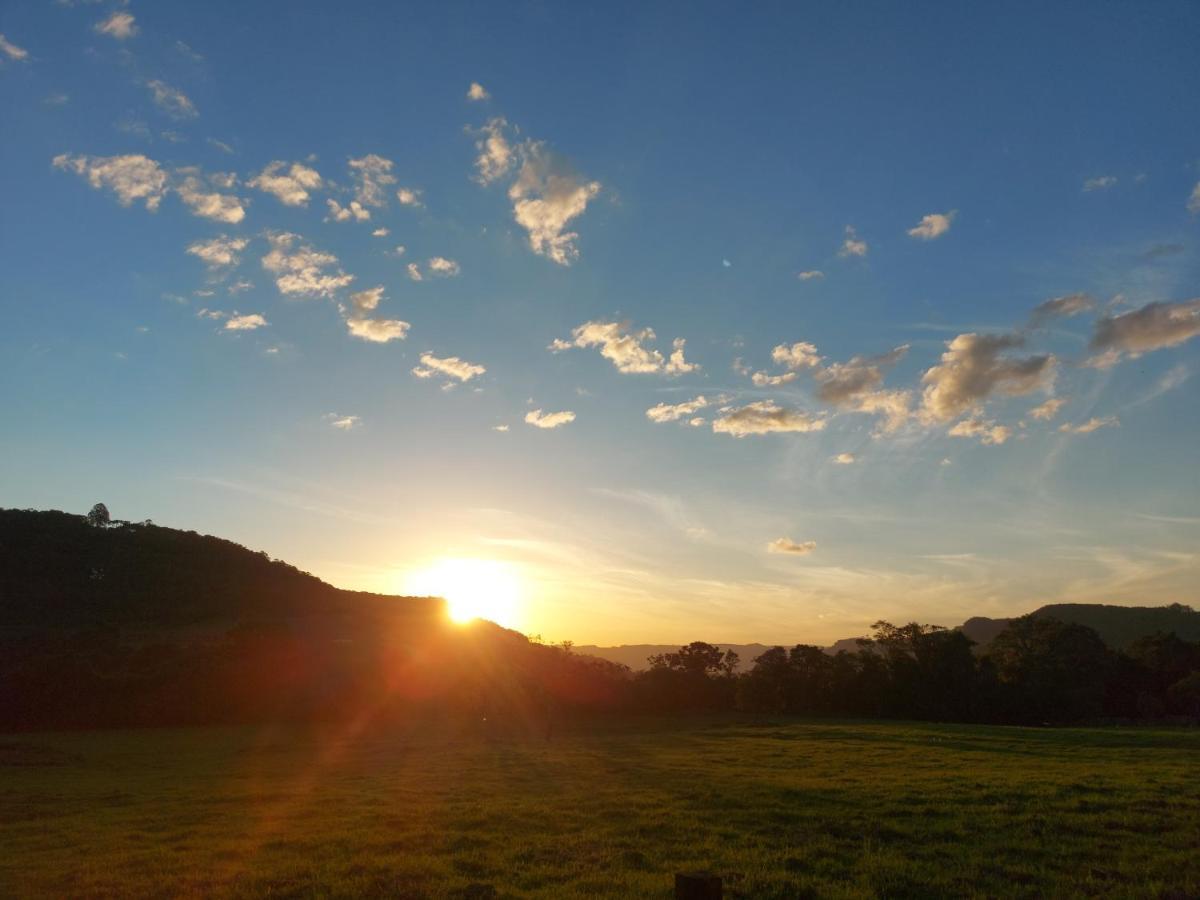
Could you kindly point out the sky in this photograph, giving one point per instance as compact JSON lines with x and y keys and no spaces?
{"x":667,"y":322}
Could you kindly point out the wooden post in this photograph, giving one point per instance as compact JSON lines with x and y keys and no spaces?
{"x":697,"y":886}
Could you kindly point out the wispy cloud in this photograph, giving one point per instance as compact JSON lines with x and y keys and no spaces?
{"x":788,"y":546}
{"x":765,"y":417}
{"x":172,"y":101}
{"x":450,"y":366}
{"x":1093,"y":424}
{"x":12,"y":51}
{"x":119,"y":25}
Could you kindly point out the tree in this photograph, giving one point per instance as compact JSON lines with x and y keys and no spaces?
{"x":99,"y":517}
{"x":1056,"y":670}
{"x":1185,"y":695}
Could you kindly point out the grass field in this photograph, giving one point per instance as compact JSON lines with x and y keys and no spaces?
{"x":781,"y":809}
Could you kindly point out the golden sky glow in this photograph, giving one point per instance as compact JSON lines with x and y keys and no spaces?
{"x":473,"y":589}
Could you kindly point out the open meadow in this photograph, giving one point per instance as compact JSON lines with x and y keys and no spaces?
{"x":779,"y":808}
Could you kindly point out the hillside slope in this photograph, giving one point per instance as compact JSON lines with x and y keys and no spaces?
{"x":134,"y":624}
{"x":59,"y":574}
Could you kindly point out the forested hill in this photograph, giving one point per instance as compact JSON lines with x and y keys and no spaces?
{"x":1118,"y":626}
{"x":58,"y":573}
{"x":108,"y":624}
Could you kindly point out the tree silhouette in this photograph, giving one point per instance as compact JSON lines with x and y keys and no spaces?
{"x":99,"y":517}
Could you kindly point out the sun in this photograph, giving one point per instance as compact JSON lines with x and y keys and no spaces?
{"x":473,"y":588}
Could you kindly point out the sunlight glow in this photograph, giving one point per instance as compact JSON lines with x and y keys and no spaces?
{"x":473,"y":588}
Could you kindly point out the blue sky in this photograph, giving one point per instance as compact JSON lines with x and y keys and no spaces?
{"x":204,"y":322}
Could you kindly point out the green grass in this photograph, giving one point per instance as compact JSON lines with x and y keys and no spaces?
{"x":781,"y":809}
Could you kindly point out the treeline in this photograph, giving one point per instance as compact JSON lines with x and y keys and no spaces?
{"x":1037,"y":670}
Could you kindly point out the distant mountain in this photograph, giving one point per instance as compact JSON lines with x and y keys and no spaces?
{"x":1118,"y":626}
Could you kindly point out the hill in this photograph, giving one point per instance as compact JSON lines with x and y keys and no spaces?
{"x":135,"y":624}
{"x":1118,"y":626}
{"x":58,"y":574}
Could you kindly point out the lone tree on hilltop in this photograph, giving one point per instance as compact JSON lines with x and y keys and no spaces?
{"x":99,"y":517}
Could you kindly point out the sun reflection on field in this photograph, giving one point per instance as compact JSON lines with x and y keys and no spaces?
{"x":473,"y":588}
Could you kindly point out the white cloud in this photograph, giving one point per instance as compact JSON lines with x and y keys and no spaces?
{"x":795,"y":548}
{"x":414,"y":272}
{"x":1151,"y":327}
{"x":220,"y":252}
{"x":800,"y":355}
{"x":290,"y":184}
{"x":539,"y":419}
{"x":624,"y":348}
{"x":1193,"y":204}
{"x":987,"y":432}
{"x":131,"y":177}
{"x":1090,"y":425}
{"x":853,"y":245}
{"x":892,"y":405}
{"x":764,"y":417}
{"x":380,"y":232}
{"x":366,"y":301}
{"x":972,"y":369}
{"x":1048,"y":410}
{"x":764,"y":379}
{"x":676,"y":364}
{"x":247,"y":322}
{"x":446,"y":268}
{"x":667,"y":412}
{"x":932,"y":226}
{"x":13,"y":52}
{"x":810,"y":274}
{"x":546,"y":196}
{"x":209,"y":204}
{"x":372,"y":175}
{"x":300,"y":270}
{"x":342,"y":423}
{"x":1102,"y":183}
{"x":477,"y":92}
{"x":450,"y":366}
{"x":119,"y":25}
{"x":172,"y":101}
{"x":499,"y":428}
{"x":844,"y":459}
{"x":409,"y":197}
{"x":378,"y":331}
{"x":496,"y":154}
{"x":220,"y":145}
{"x":339,"y":213}
{"x":238,"y":286}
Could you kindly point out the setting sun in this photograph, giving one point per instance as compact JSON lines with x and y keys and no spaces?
{"x":473,"y":589}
